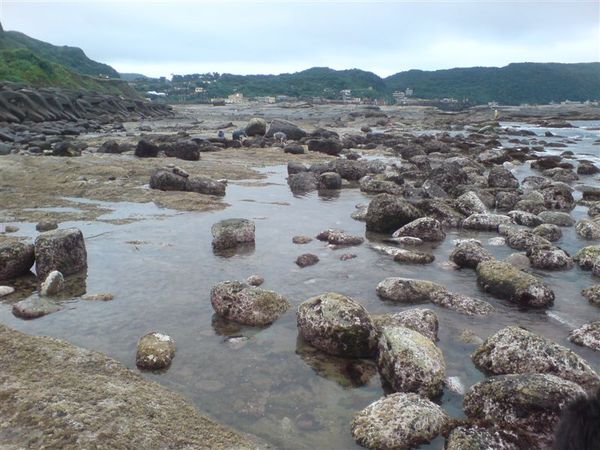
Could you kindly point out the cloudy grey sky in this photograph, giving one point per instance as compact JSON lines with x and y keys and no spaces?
{"x":385,"y":37}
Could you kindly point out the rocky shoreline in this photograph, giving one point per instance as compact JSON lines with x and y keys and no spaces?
{"x":421,"y":187}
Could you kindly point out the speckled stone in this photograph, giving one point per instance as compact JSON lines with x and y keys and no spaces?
{"x":155,"y":351}
{"x":398,"y":421}
{"x":410,"y":362}
{"x":337,"y":325}
{"x":246,"y":304}
{"x":516,"y":350}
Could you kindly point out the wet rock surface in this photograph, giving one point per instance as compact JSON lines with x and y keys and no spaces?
{"x":506,"y":281}
{"x":588,"y":335}
{"x":529,"y":402}
{"x":480,"y":438}
{"x":387,"y":213}
{"x":34,"y":307}
{"x":470,"y":254}
{"x":99,"y":400}
{"x":418,"y":319}
{"x":16,"y":258}
{"x":337,"y":325}
{"x":246,"y":304}
{"x":410,"y":362}
{"x":63,"y":250}
{"x":516,"y":350}
{"x":398,"y":421}
{"x":230,"y":233}
{"x":425,"y":228}
{"x":155,"y":351}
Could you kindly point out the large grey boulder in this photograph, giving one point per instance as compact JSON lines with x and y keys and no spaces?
{"x":516,"y":350}
{"x":330,"y":146}
{"x":186,"y":150}
{"x":146,"y":149}
{"x":408,"y":290}
{"x":256,"y":127}
{"x":291,"y":130}
{"x":558,"y":218}
{"x":462,"y":304}
{"x":246,"y":304}
{"x":524,"y":239}
{"x":63,"y":250}
{"x":485,"y":222}
{"x":586,"y":257}
{"x":230,"y":233}
{"x":410,"y":362}
{"x":530,"y":402}
{"x":399,"y":421}
{"x":588,"y":229}
{"x":418,"y":319}
{"x":469,"y":254}
{"x":592,"y":294}
{"x":525,"y":218}
{"x":504,"y":280}
{"x":500,"y":177}
{"x":388,"y":213}
{"x":205,"y":185}
{"x":168,"y":179}
{"x":16,"y":258}
{"x":303,"y":182}
{"x":337,"y":325}
{"x":424,"y":228}
{"x":548,"y":257}
{"x":469,"y":203}
{"x":155,"y":351}
{"x":110,"y":146}
{"x":548,"y":231}
{"x":330,"y":180}
{"x":588,"y":335}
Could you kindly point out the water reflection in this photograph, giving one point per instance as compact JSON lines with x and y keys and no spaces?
{"x":242,"y":249}
{"x":347,"y":372}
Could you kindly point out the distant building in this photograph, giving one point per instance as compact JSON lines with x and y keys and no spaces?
{"x":266,"y":99}
{"x":236,"y":98}
{"x":346,"y":95}
{"x":156,"y":94}
{"x":199,"y":90}
{"x":408,"y":92}
{"x":399,"y":96}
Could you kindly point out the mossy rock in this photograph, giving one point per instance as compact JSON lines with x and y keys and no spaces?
{"x":337,"y":325}
{"x":506,"y":281}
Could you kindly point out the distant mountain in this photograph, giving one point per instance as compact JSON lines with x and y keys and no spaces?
{"x":513,"y":84}
{"x":315,"y":82}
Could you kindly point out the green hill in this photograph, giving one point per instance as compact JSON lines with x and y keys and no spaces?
{"x":513,"y":84}
{"x":71,"y":57}
{"x":23,"y":66}
{"x":36,"y":63}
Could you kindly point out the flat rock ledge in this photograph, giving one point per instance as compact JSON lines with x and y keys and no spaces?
{"x":56,"y":395}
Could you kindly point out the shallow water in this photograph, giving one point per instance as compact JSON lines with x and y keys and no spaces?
{"x":161,"y":269}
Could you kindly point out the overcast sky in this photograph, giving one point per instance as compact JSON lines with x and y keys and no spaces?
{"x":385,"y":37}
